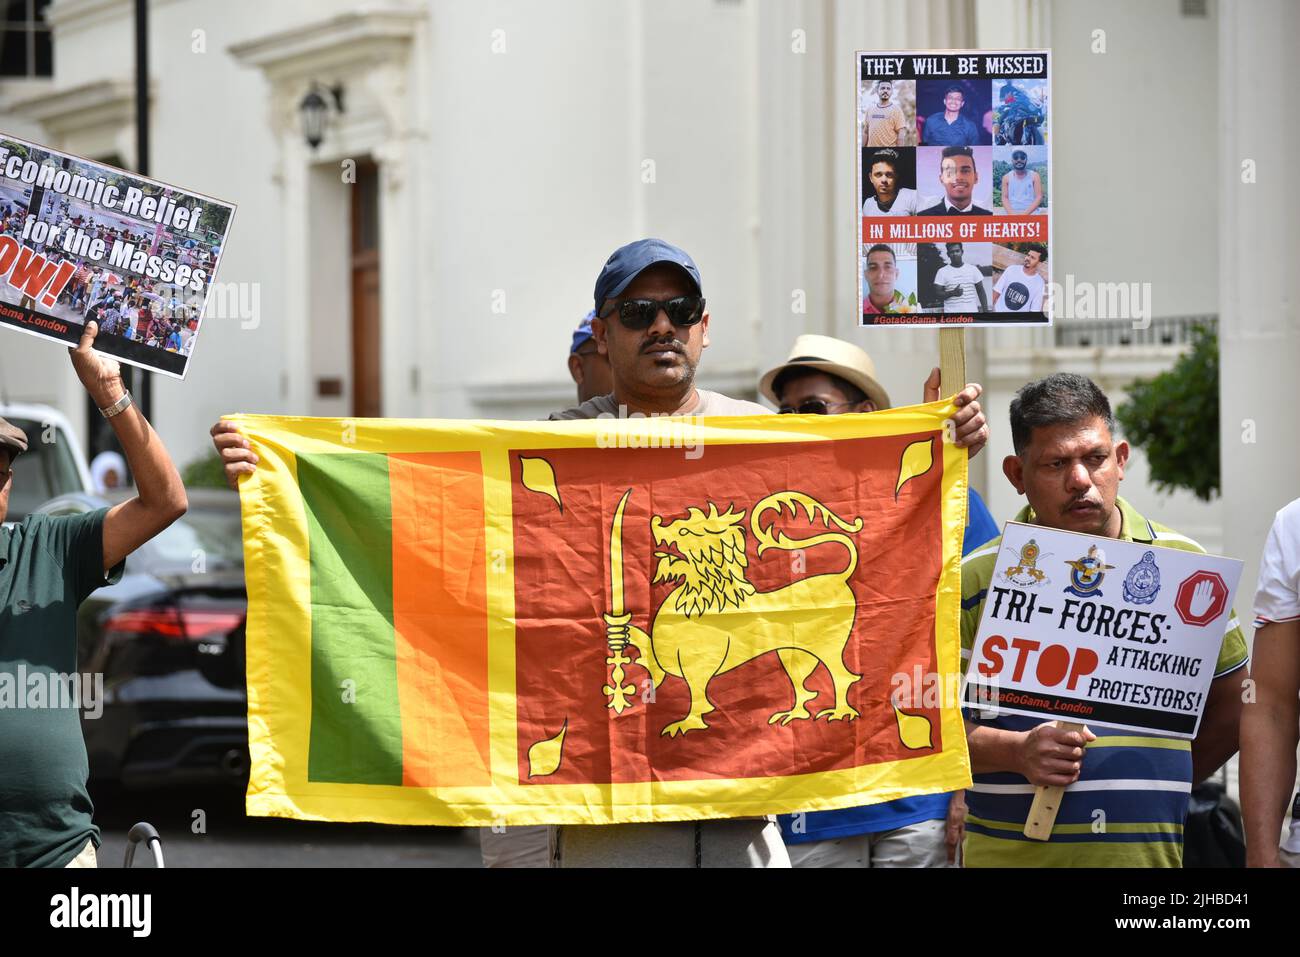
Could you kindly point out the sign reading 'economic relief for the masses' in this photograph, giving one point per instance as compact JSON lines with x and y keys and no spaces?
{"x":82,"y":241}
{"x":1102,"y":631}
{"x":953,"y":151}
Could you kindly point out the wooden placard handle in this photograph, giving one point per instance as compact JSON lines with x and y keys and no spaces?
{"x":1047,"y":800}
{"x":952,"y":360}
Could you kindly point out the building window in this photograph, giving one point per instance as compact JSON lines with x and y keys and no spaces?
{"x":25,"y":46}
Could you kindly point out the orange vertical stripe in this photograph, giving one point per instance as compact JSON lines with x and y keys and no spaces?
{"x":440,"y":617}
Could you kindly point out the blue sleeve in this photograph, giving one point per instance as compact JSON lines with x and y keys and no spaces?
{"x":980,"y":526}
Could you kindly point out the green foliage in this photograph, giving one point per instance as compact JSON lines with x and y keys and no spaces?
{"x":1174,"y":419}
{"x":204,"y":472}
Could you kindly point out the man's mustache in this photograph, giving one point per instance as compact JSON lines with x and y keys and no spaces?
{"x":660,"y":344}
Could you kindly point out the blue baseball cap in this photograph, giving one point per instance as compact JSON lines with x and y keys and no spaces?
{"x":583,"y":333}
{"x":628,"y":262}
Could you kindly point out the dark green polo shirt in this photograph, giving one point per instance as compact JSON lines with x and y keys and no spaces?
{"x":48,"y":565}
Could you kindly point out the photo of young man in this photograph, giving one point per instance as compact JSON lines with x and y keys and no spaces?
{"x":959,"y":285}
{"x":953,"y":112}
{"x":884,"y":173}
{"x":879,"y":274}
{"x":1021,"y":286}
{"x":884,"y":122}
{"x":888,"y":282}
{"x":959,"y":178}
{"x":1021,"y":191}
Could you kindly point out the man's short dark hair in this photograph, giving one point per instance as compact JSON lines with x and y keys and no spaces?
{"x":954,"y":243}
{"x":792,"y":374}
{"x":1040,"y":249}
{"x":886,"y":156}
{"x":1062,"y":398}
{"x":882,"y":248}
{"x":950,"y":151}
{"x":954,"y":89}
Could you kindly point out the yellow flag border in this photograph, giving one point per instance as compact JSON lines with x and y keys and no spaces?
{"x":279,"y":628}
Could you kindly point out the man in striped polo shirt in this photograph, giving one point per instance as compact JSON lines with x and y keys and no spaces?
{"x":1127,"y":793}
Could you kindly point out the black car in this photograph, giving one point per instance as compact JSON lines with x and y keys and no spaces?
{"x":169,"y":641}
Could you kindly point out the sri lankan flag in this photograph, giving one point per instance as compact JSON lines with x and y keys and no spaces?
{"x":459,"y":622}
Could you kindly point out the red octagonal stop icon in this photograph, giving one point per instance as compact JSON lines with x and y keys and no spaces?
{"x":1202,"y":597}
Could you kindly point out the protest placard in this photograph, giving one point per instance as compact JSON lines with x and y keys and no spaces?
{"x":81,"y":240}
{"x":953,"y":156}
{"x":1100,"y":631}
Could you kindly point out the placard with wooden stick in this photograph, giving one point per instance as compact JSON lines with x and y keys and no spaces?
{"x":1047,"y":800}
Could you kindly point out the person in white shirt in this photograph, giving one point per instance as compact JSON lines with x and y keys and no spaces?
{"x":1020,"y":288}
{"x":890,"y":199}
{"x":131,"y":315}
{"x":1270,"y":723}
{"x":960,"y":284}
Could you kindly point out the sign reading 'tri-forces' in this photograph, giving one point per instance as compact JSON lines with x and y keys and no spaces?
{"x":1100,"y":630}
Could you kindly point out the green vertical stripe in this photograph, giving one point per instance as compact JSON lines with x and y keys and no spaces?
{"x":356,"y":723}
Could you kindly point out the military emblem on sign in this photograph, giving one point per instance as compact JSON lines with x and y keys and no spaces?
{"x":1087,"y":572}
{"x":1026,"y":571}
{"x":1142,"y":583}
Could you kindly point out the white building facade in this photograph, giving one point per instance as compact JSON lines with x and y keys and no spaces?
{"x":431,"y":255}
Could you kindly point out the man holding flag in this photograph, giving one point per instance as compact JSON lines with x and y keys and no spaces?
{"x":652,"y":324}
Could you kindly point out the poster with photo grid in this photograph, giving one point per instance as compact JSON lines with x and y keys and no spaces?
{"x":953,"y":151}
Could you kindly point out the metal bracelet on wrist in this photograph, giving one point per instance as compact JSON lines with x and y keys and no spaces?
{"x":118,"y":407}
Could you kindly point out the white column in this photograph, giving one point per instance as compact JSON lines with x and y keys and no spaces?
{"x":1259,"y":248}
{"x":796,"y":151}
{"x":402,"y":329}
{"x":295,"y":189}
{"x":1013,"y":24}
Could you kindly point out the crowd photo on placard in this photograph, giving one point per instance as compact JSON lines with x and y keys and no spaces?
{"x":156,"y":314}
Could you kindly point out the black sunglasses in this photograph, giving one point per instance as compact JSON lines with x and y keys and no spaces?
{"x":811,"y":407}
{"x":640,"y":314}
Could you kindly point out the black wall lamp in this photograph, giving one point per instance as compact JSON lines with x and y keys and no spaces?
{"x":315,"y":109}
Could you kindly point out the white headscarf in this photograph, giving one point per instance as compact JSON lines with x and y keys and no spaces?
{"x":104,"y":463}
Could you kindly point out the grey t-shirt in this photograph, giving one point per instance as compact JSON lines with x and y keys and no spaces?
{"x":745,"y":842}
{"x":710,"y":403}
